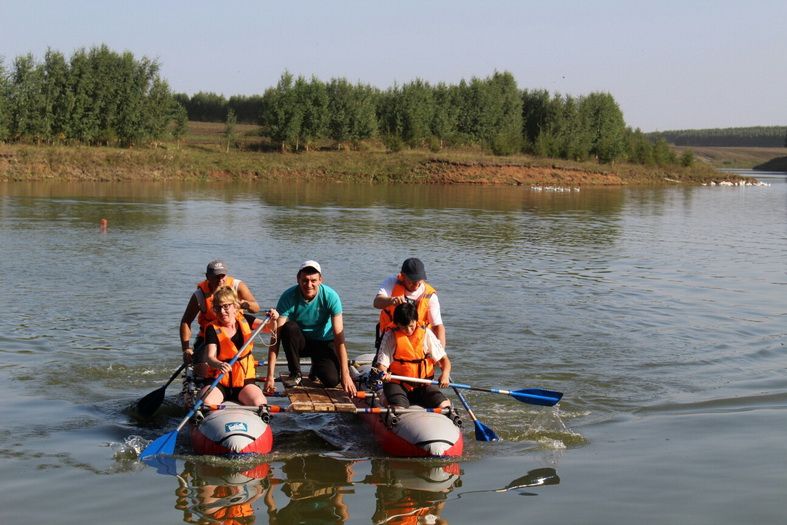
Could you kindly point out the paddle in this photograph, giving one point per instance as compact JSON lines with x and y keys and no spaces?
{"x":278,"y":408}
{"x":166,"y":443}
{"x":148,"y":405}
{"x":482,"y":432}
{"x":534,"y":396}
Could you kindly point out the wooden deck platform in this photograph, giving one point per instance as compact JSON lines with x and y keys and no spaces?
{"x":311,"y":396}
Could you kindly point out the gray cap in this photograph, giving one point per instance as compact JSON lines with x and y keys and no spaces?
{"x":216,"y":267}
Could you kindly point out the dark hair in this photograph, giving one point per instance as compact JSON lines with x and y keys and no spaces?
{"x":405,"y":314}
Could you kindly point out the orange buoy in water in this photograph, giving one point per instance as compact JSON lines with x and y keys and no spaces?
{"x":103,"y":224}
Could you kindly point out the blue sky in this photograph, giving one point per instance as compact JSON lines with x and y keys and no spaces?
{"x":669,"y":64}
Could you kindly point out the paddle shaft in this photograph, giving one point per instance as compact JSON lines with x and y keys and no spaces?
{"x":482,"y":432}
{"x":172,"y":378}
{"x":465,"y":404}
{"x":373,"y":410}
{"x":534,"y":396}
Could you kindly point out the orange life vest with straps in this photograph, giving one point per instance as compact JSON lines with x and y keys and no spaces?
{"x":204,"y":295}
{"x":243,"y":368}
{"x":409,"y":358}
{"x":422,"y":304}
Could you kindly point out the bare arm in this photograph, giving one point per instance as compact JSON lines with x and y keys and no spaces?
{"x":439,"y":331}
{"x":384,"y":301}
{"x":273,"y":351}
{"x":445,"y":374}
{"x":192,"y":309}
{"x":213,"y":362}
{"x":247,"y":300}
{"x":341,"y":353}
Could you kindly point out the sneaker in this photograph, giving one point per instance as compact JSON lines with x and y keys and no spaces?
{"x":292,"y":381}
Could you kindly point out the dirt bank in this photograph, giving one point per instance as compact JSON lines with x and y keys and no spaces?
{"x":29,"y":163}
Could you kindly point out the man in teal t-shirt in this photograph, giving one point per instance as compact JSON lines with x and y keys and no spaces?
{"x":310,"y":324}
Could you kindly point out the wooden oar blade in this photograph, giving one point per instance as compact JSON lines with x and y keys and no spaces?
{"x":484,"y":433}
{"x":163,"y":445}
{"x":537,"y":396}
{"x":148,"y":405}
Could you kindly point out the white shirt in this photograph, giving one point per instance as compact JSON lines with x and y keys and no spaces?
{"x":432,"y":348}
{"x":433,"y":317}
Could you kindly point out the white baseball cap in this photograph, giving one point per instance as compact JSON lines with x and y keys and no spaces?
{"x":310,"y":264}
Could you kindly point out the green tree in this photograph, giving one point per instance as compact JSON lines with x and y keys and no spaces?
{"x":603,"y":122}
{"x":313,"y":97}
{"x":4,"y":102}
{"x":246,"y":108}
{"x":181,"y":122}
{"x":352,"y":110}
{"x":446,"y":113}
{"x":159,"y":109}
{"x":207,"y":107}
{"x":229,"y":128}
{"x":662,"y":155}
{"x":133,"y":119}
{"x":282,"y":116}
{"x":417,"y":110}
{"x":83,"y":119}
{"x":504,"y":114}
{"x":58,"y":98}
{"x":639,"y":149}
{"x":491,"y":112}
{"x":27,"y":100}
{"x":535,"y":108}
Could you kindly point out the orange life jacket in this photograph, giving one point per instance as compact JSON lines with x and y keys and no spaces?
{"x":406,"y":511}
{"x":243,"y":368}
{"x":409,"y":358}
{"x":229,"y":515}
{"x":204,"y":295}
{"x":386,"y":315}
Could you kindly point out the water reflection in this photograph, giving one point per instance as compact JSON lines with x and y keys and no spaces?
{"x":216,"y":494}
{"x":410,"y":492}
{"x":315,"y":486}
{"x":312,"y":489}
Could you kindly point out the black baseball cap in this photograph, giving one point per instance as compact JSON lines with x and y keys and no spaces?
{"x":413,"y":269}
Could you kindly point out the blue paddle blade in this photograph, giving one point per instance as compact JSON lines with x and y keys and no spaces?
{"x":484,"y":433}
{"x":163,"y":464}
{"x":537,"y":396}
{"x":163,"y":445}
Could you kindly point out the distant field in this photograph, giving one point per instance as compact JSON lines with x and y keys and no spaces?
{"x":735,"y":157}
{"x":212,"y":134}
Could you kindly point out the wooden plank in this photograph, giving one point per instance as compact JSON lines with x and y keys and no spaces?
{"x":310,"y":396}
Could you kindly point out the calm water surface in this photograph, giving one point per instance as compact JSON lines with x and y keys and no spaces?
{"x":660,"y":313}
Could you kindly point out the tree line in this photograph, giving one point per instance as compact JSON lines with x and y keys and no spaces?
{"x":100,"y":97}
{"x":755,"y":136}
{"x":300,"y":113}
{"x":96,"y":97}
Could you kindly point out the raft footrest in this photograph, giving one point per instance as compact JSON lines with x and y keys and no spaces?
{"x":311,"y":396}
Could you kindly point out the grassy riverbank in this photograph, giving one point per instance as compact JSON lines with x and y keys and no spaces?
{"x":202,"y":155}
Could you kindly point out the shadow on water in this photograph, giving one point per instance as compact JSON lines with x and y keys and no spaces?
{"x":312,"y":489}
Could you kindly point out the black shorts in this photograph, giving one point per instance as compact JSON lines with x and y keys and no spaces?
{"x":427,"y":396}
{"x":232,"y":393}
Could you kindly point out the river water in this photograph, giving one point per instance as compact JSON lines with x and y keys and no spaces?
{"x":659,"y":312}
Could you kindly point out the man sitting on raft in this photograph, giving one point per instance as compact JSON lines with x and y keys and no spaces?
{"x":412,"y":350}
